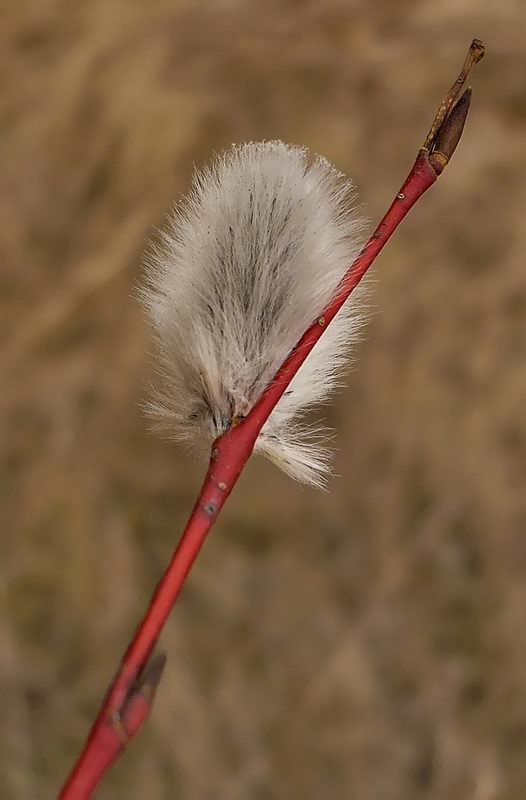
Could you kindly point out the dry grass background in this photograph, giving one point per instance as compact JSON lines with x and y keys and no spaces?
{"x":369,"y":643}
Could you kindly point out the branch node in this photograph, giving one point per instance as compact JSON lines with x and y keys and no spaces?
{"x":138,"y":702}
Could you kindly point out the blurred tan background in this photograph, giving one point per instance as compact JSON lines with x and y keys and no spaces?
{"x":369,"y":643}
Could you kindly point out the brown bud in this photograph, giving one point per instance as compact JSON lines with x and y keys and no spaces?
{"x":449,"y":133}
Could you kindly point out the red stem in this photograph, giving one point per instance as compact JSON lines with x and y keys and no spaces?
{"x":130,"y":696}
{"x":121,"y":713}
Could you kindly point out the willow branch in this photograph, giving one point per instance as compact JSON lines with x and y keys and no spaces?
{"x":130,"y":697}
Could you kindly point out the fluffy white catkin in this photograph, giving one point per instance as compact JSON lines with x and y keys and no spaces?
{"x":247,"y":262}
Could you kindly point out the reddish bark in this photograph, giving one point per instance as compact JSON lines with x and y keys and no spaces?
{"x":129,"y":699}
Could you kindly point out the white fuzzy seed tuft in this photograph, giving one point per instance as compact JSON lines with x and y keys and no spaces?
{"x":247,"y":262}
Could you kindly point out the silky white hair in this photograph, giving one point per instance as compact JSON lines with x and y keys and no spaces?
{"x":246,"y":263}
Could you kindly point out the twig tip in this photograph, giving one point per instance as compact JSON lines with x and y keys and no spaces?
{"x":446,"y":130}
